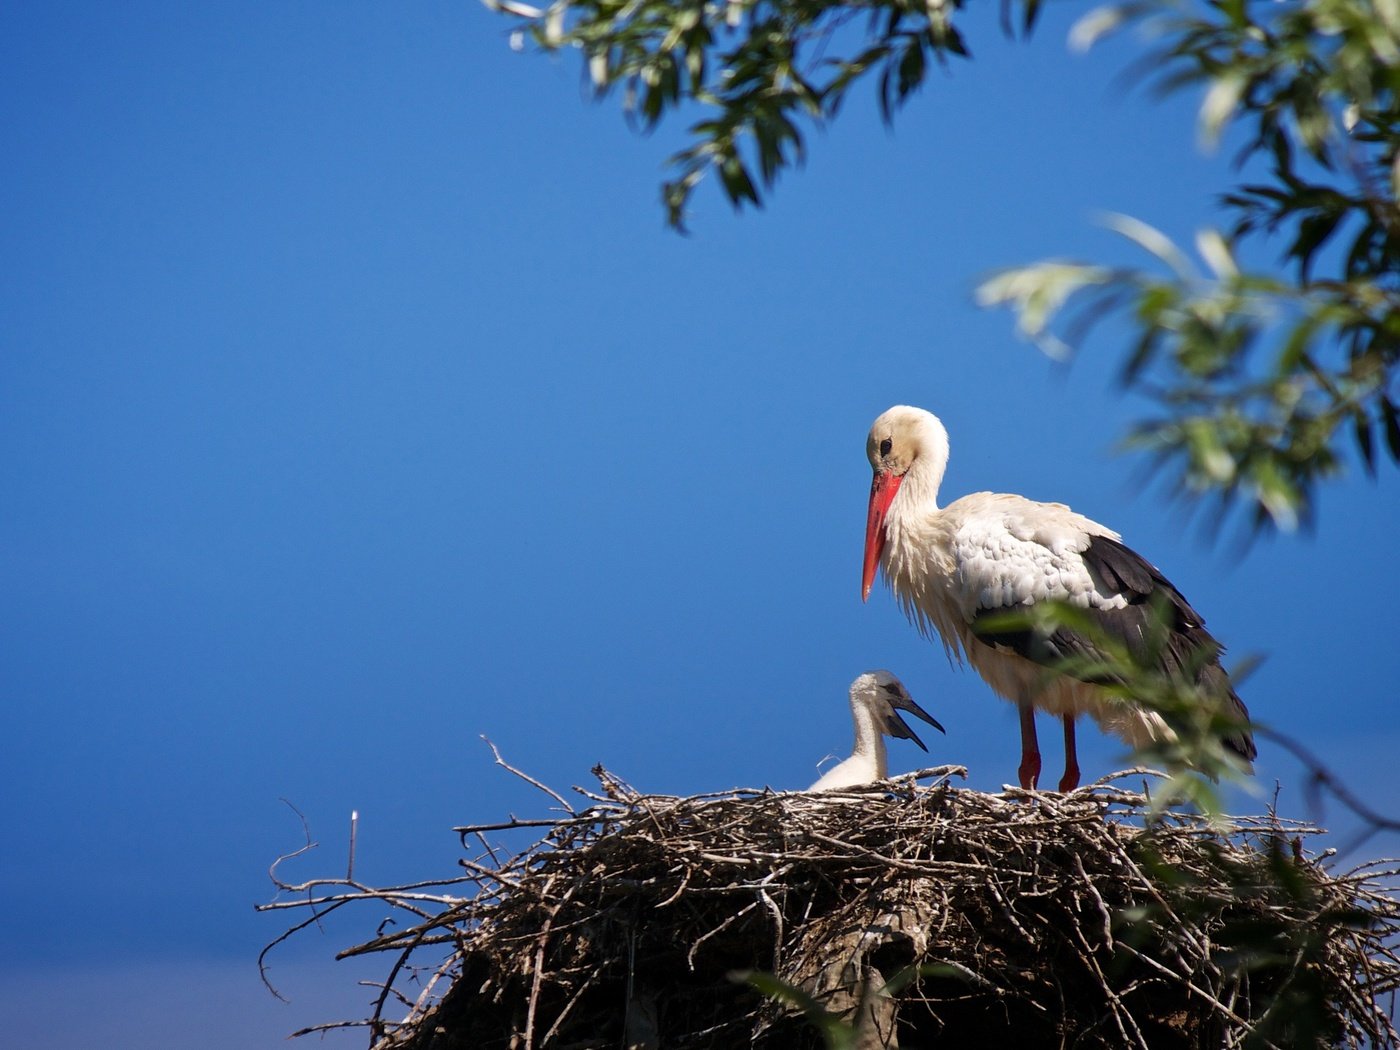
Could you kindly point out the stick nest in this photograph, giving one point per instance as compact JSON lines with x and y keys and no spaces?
{"x":900,"y":914}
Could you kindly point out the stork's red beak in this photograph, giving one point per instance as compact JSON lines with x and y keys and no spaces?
{"x":882,"y":489}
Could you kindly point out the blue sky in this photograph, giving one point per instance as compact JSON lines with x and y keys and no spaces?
{"x":354,"y":403}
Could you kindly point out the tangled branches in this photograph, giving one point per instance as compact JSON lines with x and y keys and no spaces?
{"x":896,"y":913}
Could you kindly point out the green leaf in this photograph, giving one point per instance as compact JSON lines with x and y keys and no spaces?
{"x":1094,"y":26}
{"x":1392,"y":427}
{"x":1219,"y":105}
{"x":836,"y":1034}
{"x":1037,"y":293}
{"x":911,"y":68}
{"x":738,"y":186}
{"x":1364,"y":440}
{"x":1313,"y":232}
{"x":1030,"y":16}
{"x":1217,"y":254}
{"x":1149,"y":239}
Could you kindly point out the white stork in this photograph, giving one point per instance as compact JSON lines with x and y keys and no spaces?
{"x":877,"y":697}
{"x":993,"y":553}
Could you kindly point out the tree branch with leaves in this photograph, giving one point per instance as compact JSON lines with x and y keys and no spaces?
{"x":1262,"y":375}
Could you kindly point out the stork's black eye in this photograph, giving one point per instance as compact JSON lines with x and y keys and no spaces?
{"x":885,"y":447}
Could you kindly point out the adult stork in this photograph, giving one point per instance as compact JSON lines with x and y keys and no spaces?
{"x":991,"y":553}
{"x":877,"y":697}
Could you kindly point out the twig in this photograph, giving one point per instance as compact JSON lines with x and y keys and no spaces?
{"x":354,"y":829}
{"x":527,"y":778}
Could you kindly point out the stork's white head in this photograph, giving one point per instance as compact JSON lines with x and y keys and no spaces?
{"x":906,"y":444}
{"x":877,"y":697}
{"x":884,"y":696}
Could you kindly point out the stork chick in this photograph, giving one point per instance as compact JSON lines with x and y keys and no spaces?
{"x":877,"y":697}
{"x":954,"y":567}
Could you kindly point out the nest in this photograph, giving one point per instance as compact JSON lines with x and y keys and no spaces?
{"x":900,"y":914}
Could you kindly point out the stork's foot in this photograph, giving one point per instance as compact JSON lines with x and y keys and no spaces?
{"x":1029,"y":770}
{"x":1070,"y":780}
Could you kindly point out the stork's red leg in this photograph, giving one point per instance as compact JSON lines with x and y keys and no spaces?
{"x":1029,"y":770}
{"x":1070,"y":780}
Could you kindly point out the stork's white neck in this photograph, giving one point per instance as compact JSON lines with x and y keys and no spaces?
{"x":918,"y":492}
{"x":870,"y":741}
{"x":915,"y":558}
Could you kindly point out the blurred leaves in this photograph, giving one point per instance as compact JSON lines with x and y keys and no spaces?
{"x":1261,"y":378}
{"x":1258,"y":380}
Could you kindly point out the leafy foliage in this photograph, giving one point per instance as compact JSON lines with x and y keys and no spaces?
{"x":1260,"y":378}
{"x":1258,"y":381}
